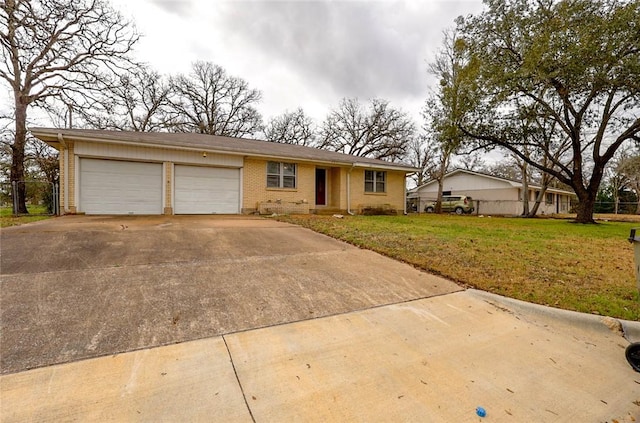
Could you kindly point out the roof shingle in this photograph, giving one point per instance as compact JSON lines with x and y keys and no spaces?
{"x":214,"y":143}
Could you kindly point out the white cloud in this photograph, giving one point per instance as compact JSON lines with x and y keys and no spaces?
{"x":305,"y":54}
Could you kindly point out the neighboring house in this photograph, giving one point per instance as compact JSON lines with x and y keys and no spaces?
{"x":118,"y":172}
{"x":491,"y":194}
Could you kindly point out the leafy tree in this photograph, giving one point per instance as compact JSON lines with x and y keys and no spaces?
{"x":209,"y":101}
{"x":291,"y":128}
{"x":572,"y":62}
{"x":606,"y":199}
{"x":445,"y":106}
{"x":53,"y":47}
{"x":380,"y":132}
{"x":628,"y":175}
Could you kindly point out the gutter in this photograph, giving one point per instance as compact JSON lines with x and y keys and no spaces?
{"x":405,"y":197}
{"x":61,"y":140}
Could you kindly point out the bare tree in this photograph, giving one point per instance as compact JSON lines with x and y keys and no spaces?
{"x":209,"y":101}
{"x":6,"y":140}
{"x":441,"y":153}
{"x":504,"y":168}
{"x":471,"y":161}
{"x":380,"y":132}
{"x":50,"y":47}
{"x":291,"y":128}
{"x":422,"y":156}
{"x":44,"y":158}
{"x":134,"y":101}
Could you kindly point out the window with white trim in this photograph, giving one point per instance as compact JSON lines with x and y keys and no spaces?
{"x":375,"y":181}
{"x":549,"y":198}
{"x":281,"y":175}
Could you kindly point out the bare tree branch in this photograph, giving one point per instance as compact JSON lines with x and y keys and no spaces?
{"x":291,"y":128}
{"x":209,"y":101}
{"x":380,"y":132}
{"x":52,"y":47}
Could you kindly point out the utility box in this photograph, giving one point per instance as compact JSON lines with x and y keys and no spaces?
{"x":632,"y":351}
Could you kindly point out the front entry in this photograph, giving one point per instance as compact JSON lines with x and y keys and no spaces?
{"x":321,"y":187}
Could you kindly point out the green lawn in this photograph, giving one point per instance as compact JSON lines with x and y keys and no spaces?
{"x":587,"y":268}
{"x":7,"y":218}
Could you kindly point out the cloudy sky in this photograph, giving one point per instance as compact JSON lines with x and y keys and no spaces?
{"x":307,"y":54}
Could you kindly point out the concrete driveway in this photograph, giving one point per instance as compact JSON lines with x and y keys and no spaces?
{"x":263,"y":321}
{"x":78,"y":286}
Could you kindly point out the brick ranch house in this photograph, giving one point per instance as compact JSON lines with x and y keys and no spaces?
{"x":120,"y":172}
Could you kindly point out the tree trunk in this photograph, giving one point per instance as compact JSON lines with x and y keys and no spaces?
{"x":586,"y":202}
{"x":546,"y":181}
{"x":525,"y":189}
{"x":17,"y":157}
{"x":525,"y":199}
{"x":536,"y":205}
{"x":439,"y":197}
{"x":444,"y":164}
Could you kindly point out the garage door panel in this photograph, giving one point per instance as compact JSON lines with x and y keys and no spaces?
{"x":120,"y":187}
{"x":206,"y":190}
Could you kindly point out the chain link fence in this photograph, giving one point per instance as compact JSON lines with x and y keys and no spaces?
{"x":41,"y":198}
{"x":496,"y":207}
{"x":507,"y":207}
{"x":609,"y":207}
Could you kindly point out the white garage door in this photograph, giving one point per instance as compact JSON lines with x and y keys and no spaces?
{"x":206,"y":190}
{"x":119,"y":187}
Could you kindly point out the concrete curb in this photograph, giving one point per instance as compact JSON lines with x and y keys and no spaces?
{"x":630,"y":330}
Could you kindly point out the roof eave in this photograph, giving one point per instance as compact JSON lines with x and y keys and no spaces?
{"x":52,"y":138}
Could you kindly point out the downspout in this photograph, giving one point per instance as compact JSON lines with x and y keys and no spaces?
{"x":65,"y":182}
{"x":349,"y":190}
{"x":404,"y":212}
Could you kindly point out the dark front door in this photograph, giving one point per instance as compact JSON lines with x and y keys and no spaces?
{"x":321,"y":187}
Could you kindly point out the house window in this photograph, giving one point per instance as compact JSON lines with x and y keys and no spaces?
{"x":281,"y":175}
{"x":375,"y":181}
{"x":549,"y":198}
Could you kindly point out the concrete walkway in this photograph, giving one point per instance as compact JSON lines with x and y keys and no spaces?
{"x":433,"y":359}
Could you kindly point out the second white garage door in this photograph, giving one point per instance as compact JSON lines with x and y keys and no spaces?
{"x":206,"y":190}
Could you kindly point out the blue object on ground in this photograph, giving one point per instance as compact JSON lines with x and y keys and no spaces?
{"x":481,"y":412}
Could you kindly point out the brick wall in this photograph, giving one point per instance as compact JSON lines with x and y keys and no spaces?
{"x":393,"y":196}
{"x":63,"y":171}
{"x":255,"y":188}
{"x":168,"y":188}
{"x":337,"y":188}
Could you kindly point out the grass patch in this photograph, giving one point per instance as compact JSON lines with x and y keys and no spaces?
{"x":586,"y":268}
{"x":8,"y":219}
